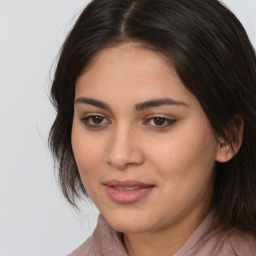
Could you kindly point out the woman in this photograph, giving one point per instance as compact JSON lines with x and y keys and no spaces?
{"x":156,"y":123}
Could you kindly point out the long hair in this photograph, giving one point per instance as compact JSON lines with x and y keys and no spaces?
{"x":214,"y":59}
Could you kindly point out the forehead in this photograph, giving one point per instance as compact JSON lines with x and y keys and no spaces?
{"x":132,"y":72}
{"x":128,"y":51}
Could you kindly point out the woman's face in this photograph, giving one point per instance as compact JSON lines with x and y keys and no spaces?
{"x":142,"y":143}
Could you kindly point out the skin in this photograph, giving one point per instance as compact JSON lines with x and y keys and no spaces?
{"x":128,"y":144}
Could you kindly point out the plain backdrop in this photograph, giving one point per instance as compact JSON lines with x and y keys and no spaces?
{"x":35,"y":220}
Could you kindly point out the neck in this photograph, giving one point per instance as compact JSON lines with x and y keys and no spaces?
{"x":164,"y":242}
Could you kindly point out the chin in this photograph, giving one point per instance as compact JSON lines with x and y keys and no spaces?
{"x":128,"y":223}
{"x":127,"y":227}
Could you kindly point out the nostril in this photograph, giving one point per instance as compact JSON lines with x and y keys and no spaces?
{"x":123,"y":149}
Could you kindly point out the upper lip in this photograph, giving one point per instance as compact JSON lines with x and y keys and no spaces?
{"x":127,"y":183}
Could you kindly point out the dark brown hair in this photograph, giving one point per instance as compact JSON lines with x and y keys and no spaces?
{"x":213,"y":57}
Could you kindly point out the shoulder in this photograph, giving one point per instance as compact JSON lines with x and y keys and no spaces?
{"x":223,"y":243}
{"x":103,"y":241}
{"x":243,"y":244}
{"x":84,"y":249}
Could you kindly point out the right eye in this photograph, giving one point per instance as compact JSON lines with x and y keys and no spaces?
{"x":95,"y":121}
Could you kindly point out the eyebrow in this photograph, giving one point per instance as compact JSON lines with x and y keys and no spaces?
{"x":138,"y":107}
{"x":159,"y":102}
{"x":93,"y":102}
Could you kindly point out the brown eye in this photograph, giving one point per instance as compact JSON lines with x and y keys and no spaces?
{"x":159,"y":121}
{"x":97,"y":119}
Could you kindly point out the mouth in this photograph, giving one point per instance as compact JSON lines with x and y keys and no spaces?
{"x":126,"y":188}
{"x":128,"y":191}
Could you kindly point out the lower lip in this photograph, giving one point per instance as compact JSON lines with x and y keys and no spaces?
{"x":127,"y":197}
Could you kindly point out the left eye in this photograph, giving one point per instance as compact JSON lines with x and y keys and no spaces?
{"x":95,"y":120}
{"x":160,"y":122}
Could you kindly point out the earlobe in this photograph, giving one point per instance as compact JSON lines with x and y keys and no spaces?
{"x":234,"y":132}
{"x":225,"y":152}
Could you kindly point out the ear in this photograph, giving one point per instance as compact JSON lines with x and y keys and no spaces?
{"x":234,"y":133}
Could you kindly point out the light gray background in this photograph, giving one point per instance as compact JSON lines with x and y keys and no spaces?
{"x":34,"y":218}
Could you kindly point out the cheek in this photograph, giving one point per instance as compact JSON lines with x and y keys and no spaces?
{"x":87,"y":156}
{"x":190,"y":153}
{"x":184,"y":170}
{"x":87,"y":152}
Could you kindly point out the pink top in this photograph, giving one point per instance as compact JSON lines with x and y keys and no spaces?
{"x":107,"y":242}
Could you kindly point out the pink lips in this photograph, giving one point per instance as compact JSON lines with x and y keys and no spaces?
{"x":127,"y":191}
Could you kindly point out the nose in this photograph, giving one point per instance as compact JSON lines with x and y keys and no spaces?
{"x":124,"y":149}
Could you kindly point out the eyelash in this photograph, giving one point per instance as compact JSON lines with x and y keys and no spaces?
{"x":167,"y":122}
{"x":89,"y":123}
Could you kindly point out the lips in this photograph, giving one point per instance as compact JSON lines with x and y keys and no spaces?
{"x":128,"y":191}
